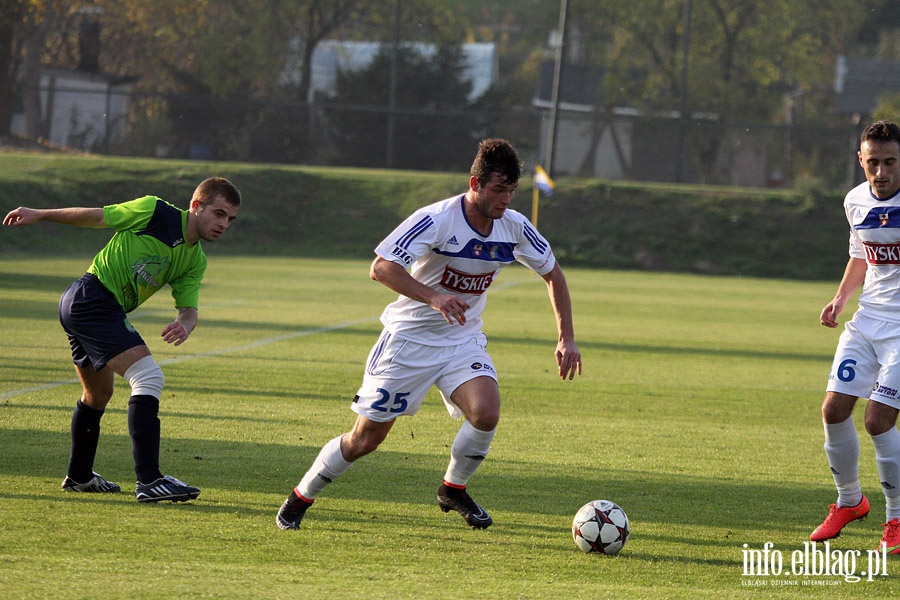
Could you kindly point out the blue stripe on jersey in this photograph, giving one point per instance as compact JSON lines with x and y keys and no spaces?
{"x":165,"y":225}
{"x":488,"y":251}
{"x":879,"y":217}
{"x":407,"y":238}
{"x":535,"y":239}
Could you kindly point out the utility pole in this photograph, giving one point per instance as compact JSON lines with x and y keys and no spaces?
{"x":392,"y":90}
{"x":682,"y":111}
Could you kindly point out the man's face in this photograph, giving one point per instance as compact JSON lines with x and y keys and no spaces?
{"x":881,"y":161}
{"x":493,"y":198}
{"x":214,"y":218}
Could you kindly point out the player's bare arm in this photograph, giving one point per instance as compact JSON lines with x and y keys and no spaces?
{"x":568,"y":357}
{"x":178,"y":332}
{"x":78,"y":216}
{"x":396,"y":277}
{"x":854,"y":276}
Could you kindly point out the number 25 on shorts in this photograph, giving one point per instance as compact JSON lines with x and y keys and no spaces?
{"x":387,"y":404}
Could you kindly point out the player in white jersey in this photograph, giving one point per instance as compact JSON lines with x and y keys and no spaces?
{"x":867,"y":360}
{"x":453,"y":250}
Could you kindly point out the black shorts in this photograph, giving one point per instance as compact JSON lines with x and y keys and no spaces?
{"x":97,"y":327}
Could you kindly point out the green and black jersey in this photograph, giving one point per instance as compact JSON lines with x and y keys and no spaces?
{"x":148,"y":251}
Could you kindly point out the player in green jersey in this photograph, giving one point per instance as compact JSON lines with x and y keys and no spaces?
{"x":155,"y":244}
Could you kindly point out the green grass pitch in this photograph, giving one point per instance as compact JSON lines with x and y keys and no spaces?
{"x":697,"y":412}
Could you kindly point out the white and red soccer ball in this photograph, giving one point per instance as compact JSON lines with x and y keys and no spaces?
{"x":601,"y":526}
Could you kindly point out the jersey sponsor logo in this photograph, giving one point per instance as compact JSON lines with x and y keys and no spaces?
{"x":883,"y":390}
{"x":402,"y":255}
{"x":466,"y":283}
{"x":453,"y":241}
{"x":883,"y":254}
{"x":147,"y":269}
{"x":477,"y":366}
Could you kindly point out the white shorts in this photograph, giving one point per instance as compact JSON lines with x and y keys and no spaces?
{"x":399,"y":373}
{"x":867,"y":361}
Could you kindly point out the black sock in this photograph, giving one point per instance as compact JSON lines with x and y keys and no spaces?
{"x":85,"y":433}
{"x":143,"y":426}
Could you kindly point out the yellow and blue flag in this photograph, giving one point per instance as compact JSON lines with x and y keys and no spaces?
{"x":543,"y":181}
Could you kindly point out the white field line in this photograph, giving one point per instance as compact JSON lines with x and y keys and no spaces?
{"x":186,"y":357}
{"x":232,"y":350}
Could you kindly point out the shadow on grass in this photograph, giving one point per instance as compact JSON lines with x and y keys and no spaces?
{"x":37,"y":282}
{"x":584,"y":345}
{"x":30,"y":309}
{"x":721,"y":504}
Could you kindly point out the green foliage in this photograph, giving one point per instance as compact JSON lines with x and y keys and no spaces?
{"x":698,"y":412}
{"x":431,"y":100}
{"x":798,"y":235}
{"x":329,"y":212}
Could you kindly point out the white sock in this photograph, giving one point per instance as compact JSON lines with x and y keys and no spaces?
{"x":842,"y":450}
{"x":469,"y":449}
{"x":328,"y":466}
{"x":887,"y":457}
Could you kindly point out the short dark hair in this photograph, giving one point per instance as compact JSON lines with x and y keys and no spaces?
{"x":496,"y":156}
{"x":212,"y":188}
{"x":881,"y":132}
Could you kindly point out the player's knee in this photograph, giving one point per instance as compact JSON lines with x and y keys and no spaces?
{"x":485,"y":417}
{"x":880,"y":418}
{"x":145,"y":378}
{"x":97,"y":396}
{"x":837,"y":408}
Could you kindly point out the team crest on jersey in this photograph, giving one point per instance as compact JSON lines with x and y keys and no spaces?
{"x":480,"y":249}
{"x":883,"y":219}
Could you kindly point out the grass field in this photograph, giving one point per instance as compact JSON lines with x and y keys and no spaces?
{"x":698,"y":412}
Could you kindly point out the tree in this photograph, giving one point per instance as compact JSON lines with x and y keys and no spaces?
{"x":11,"y":14}
{"x":744,"y":57}
{"x":433,"y":128}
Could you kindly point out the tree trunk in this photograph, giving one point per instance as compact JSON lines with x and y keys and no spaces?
{"x":7,"y":93}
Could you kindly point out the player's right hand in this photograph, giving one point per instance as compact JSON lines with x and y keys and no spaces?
{"x":20,"y":216}
{"x":452,"y":307}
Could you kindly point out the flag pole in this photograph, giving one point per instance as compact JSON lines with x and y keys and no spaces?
{"x":534,"y":204}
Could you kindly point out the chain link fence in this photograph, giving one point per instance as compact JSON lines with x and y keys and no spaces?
{"x":588,"y":144}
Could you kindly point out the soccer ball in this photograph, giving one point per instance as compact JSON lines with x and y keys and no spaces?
{"x":600,"y":526}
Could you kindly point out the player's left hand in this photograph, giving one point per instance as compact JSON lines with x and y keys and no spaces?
{"x":175,"y":333}
{"x":568,"y":357}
